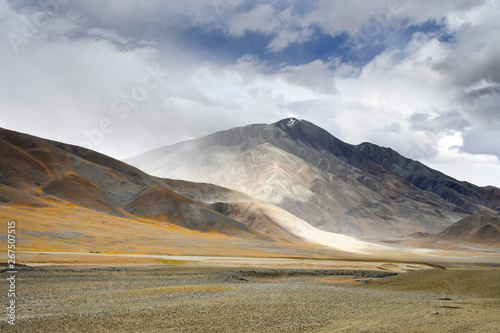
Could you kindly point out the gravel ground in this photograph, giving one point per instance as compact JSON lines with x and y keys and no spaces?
{"x":182,"y":299}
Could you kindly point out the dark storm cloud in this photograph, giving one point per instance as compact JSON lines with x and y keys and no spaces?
{"x":445,"y":121}
{"x":482,"y":141}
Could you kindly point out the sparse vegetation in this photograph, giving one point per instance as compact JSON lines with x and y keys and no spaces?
{"x":175,"y":289}
{"x":196,"y":299}
{"x":171,"y":262}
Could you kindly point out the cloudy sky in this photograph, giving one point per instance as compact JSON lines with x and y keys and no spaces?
{"x":124,"y":77}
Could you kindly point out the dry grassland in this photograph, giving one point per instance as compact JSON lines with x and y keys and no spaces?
{"x":175,"y":297}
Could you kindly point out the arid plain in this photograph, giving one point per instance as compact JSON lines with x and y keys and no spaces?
{"x":97,"y":293}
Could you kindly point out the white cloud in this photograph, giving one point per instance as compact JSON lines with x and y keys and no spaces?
{"x":285,"y":37}
{"x":63,"y":80}
{"x":335,"y":17}
{"x":261,"y":18}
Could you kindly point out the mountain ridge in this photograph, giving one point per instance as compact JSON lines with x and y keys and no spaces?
{"x":474,"y":229}
{"x":49,"y":172}
{"x":302,"y":168}
{"x":78,"y":187}
{"x":415,"y":172}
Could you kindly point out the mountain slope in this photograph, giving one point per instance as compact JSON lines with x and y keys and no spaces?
{"x":333,"y":185}
{"x":464,"y":195}
{"x":476,"y":229}
{"x":271,"y":220}
{"x":46,"y":173}
{"x":62,"y":194}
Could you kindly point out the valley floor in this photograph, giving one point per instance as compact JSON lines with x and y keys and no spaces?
{"x":189,"y":296}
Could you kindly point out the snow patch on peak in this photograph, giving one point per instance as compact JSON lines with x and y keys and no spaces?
{"x":292,"y":122}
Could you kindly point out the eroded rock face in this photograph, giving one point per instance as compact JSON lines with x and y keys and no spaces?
{"x":362,"y":190}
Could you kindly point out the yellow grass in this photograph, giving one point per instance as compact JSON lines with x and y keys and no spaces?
{"x":171,"y":262}
{"x":76,"y":229}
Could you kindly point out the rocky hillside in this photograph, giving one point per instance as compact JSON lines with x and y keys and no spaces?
{"x":475,"y":229}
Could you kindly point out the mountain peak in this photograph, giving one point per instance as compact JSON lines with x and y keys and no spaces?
{"x":362,"y":190}
{"x":290,"y":122}
{"x":306,"y":133}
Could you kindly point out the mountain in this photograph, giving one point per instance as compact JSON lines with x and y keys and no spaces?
{"x":474,"y":229}
{"x":41,"y":173}
{"x":67,"y":197}
{"x":359,"y":190}
{"x":472,"y":233}
{"x":271,"y":220}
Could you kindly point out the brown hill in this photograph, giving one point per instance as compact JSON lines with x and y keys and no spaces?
{"x":475,"y":229}
{"x":163,"y":204}
{"x":83,"y":192}
{"x":43,"y":173}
